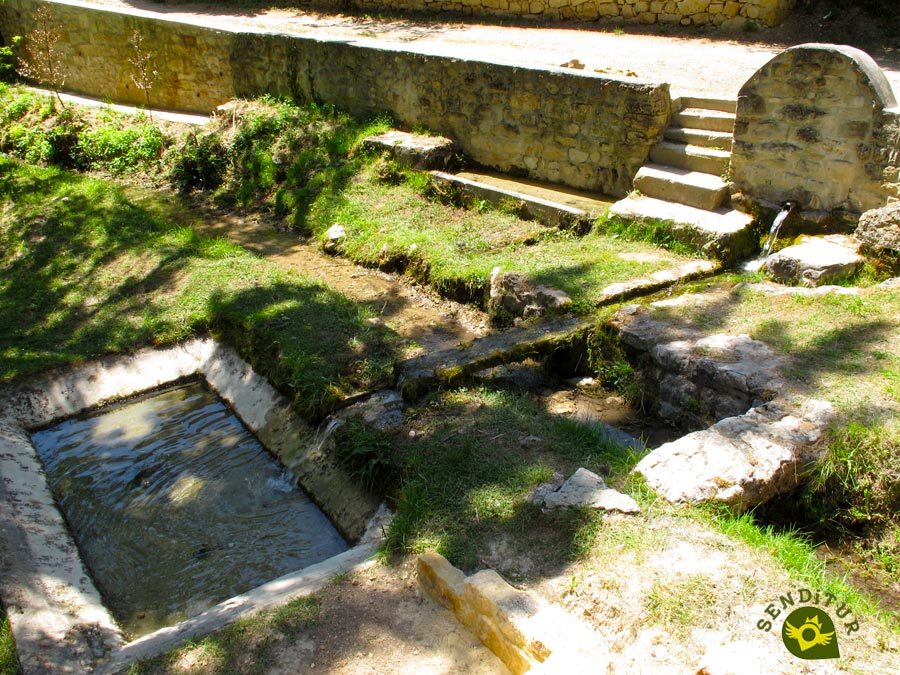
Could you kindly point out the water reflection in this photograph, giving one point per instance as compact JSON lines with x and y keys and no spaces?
{"x":175,"y":506}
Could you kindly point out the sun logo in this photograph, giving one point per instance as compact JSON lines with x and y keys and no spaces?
{"x":808,"y":632}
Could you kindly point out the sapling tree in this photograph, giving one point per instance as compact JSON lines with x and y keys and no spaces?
{"x":144,"y":75}
{"x":40,"y":61}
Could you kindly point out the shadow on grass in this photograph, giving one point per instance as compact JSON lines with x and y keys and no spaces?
{"x":313,"y":343}
{"x":87,"y":271}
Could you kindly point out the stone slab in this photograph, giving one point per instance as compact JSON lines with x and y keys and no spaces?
{"x":694,"y":188}
{"x":447,"y":367}
{"x":813,"y":262}
{"x":691,"y":157}
{"x":704,"y":118}
{"x":741,"y":461}
{"x":725,"y":234}
{"x":417,"y":151}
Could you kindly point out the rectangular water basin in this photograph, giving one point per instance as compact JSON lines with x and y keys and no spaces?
{"x":175,"y":506}
{"x":156,"y":514}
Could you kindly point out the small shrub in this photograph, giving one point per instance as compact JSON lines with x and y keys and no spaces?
{"x":41,"y":61}
{"x":117,"y":148}
{"x":197,"y":163}
{"x":8,"y":60}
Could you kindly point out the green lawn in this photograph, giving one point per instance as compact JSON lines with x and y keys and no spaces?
{"x":87,"y":270}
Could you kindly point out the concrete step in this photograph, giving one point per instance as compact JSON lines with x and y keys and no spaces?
{"x":708,"y":120}
{"x":692,"y":188}
{"x":725,"y":234}
{"x":721,"y":140}
{"x":691,"y":157}
{"x":705,"y":102}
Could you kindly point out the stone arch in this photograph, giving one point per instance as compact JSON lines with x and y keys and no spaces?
{"x":810,"y":127}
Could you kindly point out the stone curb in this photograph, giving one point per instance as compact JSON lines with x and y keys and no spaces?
{"x":525,"y":632}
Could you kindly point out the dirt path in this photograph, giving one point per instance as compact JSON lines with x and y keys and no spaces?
{"x":711,"y":64}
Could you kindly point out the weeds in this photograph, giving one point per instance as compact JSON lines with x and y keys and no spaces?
{"x":857,"y":484}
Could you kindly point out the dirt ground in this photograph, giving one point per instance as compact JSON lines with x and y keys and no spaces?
{"x":377,"y":622}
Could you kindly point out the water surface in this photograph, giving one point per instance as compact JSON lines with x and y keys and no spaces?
{"x":175,"y":506}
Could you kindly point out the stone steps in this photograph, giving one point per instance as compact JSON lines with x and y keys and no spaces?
{"x":725,"y":234}
{"x":683,"y":184}
{"x":699,"y":118}
{"x":720,"y":140}
{"x":691,"y":157}
{"x":705,"y":103}
{"x":673,"y":184}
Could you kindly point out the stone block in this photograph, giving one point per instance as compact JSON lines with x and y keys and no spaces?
{"x":732,"y":8}
{"x":813,"y":262}
{"x":741,"y":461}
{"x":524,"y":631}
{"x":689,"y":7}
{"x":608,"y":9}
{"x":441,"y":581}
{"x":880,"y":228}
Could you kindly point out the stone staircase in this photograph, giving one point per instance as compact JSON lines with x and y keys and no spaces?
{"x":685,"y":181}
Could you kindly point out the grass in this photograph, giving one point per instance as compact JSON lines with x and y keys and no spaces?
{"x":88,"y":270}
{"x":454,"y":249}
{"x":459,"y":470}
{"x":9,"y":664}
{"x":247,"y":647}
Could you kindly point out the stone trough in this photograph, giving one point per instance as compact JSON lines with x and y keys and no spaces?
{"x":58,"y":620}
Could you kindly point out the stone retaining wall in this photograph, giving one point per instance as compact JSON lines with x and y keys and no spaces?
{"x":729,"y":14}
{"x":818,"y":124}
{"x":577,"y":128}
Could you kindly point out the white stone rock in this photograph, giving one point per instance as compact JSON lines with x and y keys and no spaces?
{"x":333,"y":236}
{"x":813,"y":262}
{"x":742,"y":461}
{"x":585,"y":488}
{"x":880,"y":228}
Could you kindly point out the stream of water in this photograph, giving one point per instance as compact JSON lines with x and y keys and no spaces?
{"x":175,"y":506}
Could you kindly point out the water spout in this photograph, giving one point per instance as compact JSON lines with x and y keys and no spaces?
{"x":786,"y":209}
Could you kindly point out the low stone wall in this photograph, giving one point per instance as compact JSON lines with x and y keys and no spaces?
{"x":729,"y":14}
{"x":576,"y":128}
{"x":817,"y":124}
